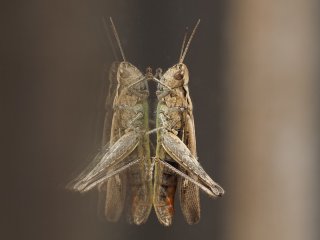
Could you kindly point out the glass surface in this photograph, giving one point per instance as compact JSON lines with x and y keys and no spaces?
{"x":253,"y":83}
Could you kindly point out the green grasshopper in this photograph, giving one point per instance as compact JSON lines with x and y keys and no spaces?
{"x":123,"y":166}
{"x":176,"y":158}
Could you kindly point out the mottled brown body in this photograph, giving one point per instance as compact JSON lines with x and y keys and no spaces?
{"x":121,"y":171}
{"x":130,"y":114}
{"x":176,"y":158}
{"x":176,"y":153}
{"x":115,"y":175}
{"x":175,"y":115}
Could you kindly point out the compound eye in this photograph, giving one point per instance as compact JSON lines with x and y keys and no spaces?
{"x":179,"y":75}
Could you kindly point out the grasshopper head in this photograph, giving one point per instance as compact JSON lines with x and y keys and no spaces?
{"x":176,"y":76}
{"x":127,"y":74}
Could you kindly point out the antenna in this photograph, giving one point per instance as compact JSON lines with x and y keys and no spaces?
{"x":118,"y":39}
{"x":110,"y":39}
{"x":184,"y":42}
{"x":189,"y":41}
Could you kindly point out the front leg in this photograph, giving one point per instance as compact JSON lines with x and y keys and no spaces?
{"x":141,"y":91}
{"x":162,"y":93}
{"x":143,"y":94}
{"x":163,"y":89}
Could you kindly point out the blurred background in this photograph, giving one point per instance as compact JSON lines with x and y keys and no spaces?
{"x":254,"y":84}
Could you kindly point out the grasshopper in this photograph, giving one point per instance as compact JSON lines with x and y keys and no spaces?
{"x":176,"y":158}
{"x":123,"y":166}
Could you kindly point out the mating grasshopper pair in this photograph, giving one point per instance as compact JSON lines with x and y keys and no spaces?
{"x":124,"y":171}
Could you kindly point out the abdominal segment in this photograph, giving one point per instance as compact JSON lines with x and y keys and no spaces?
{"x":165,"y":189}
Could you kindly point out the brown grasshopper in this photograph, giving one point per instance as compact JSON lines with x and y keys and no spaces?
{"x":124,"y":165}
{"x":176,"y":158}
